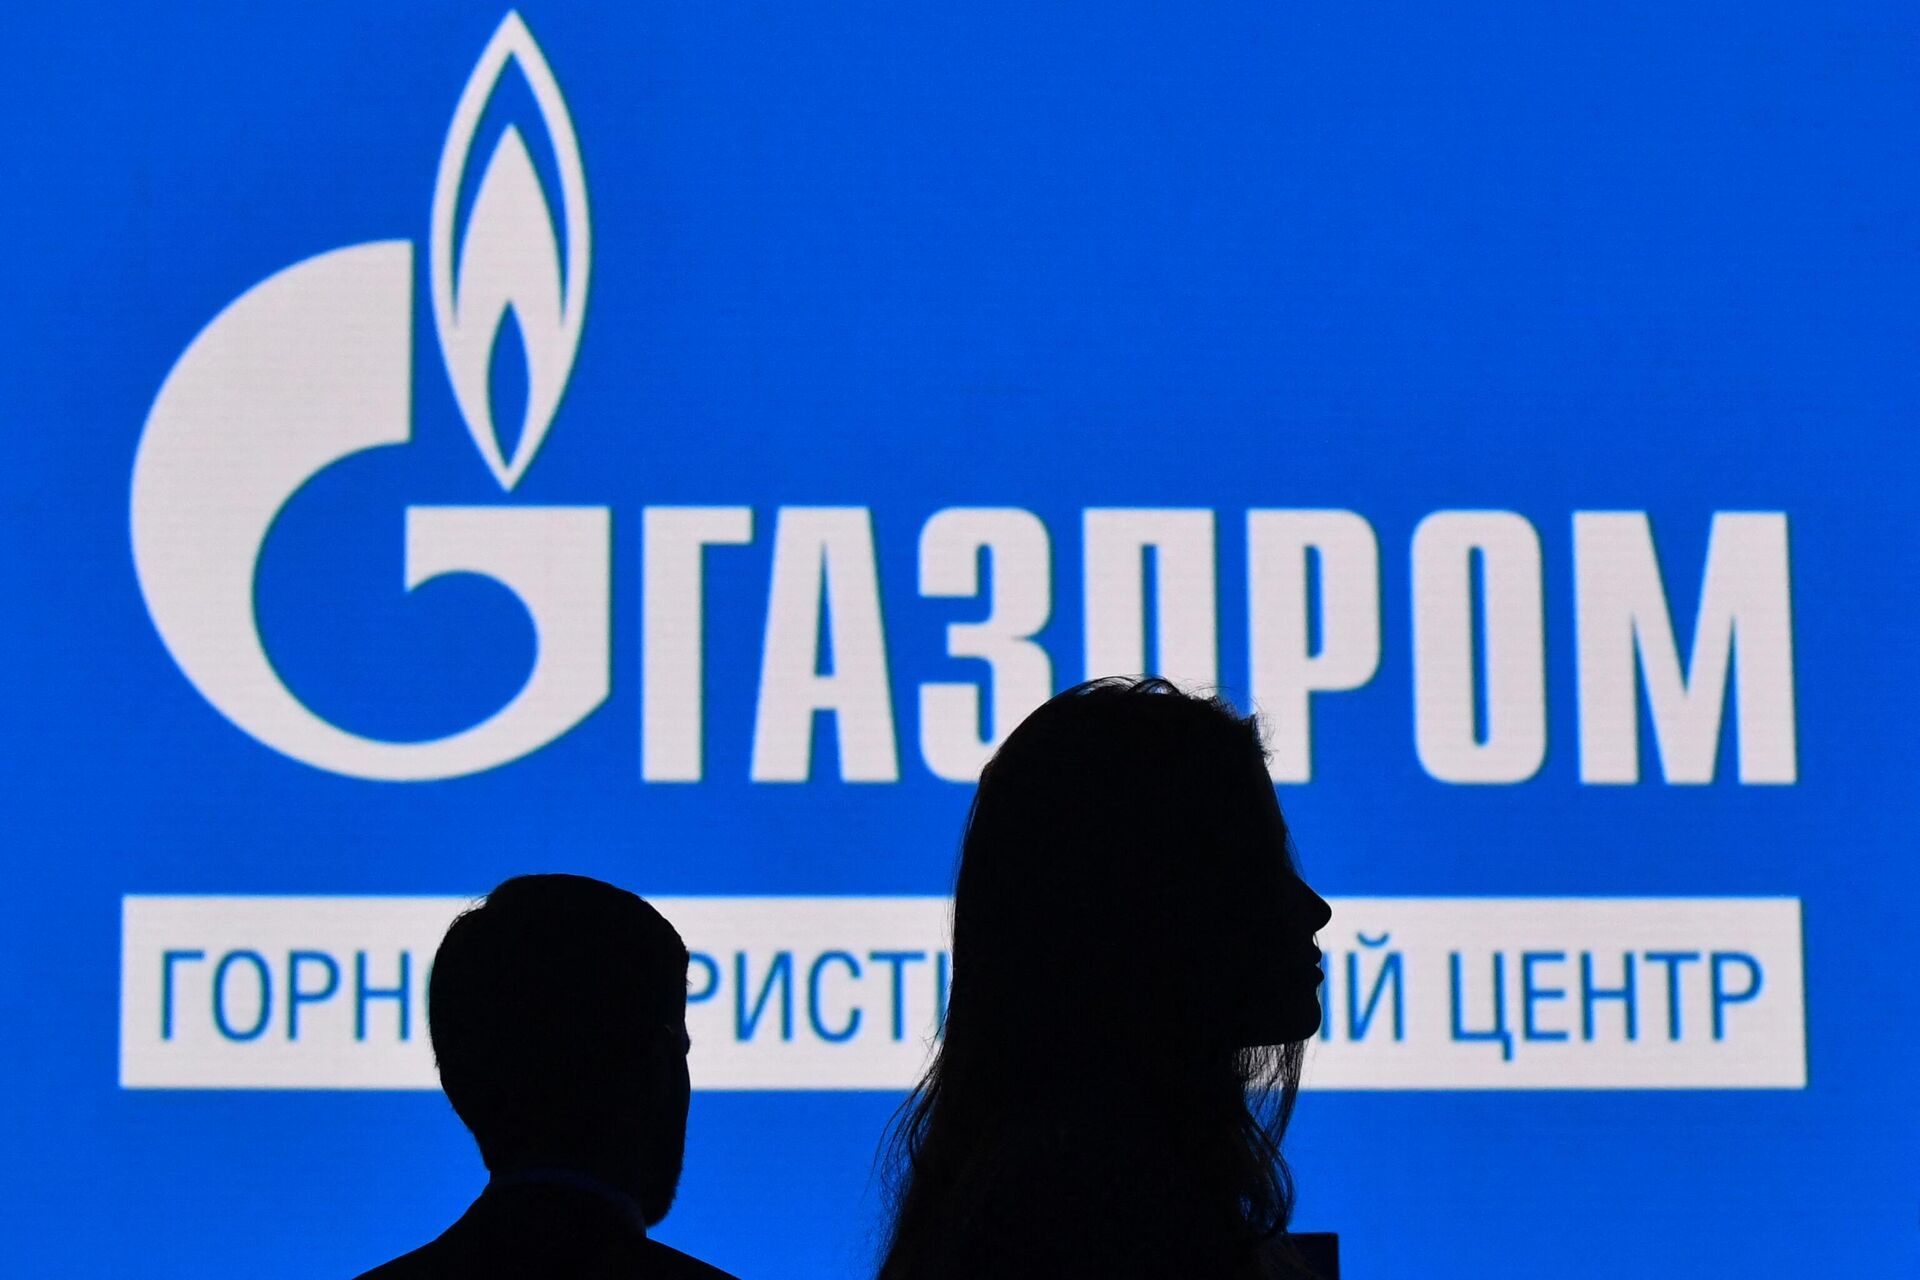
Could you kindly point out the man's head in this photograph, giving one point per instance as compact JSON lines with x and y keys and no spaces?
{"x":558,"y":1014}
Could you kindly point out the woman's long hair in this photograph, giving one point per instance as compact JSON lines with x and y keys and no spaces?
{"x":1105,"y":1099}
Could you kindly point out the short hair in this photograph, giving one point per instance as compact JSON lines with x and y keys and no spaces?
{"x":541,"y":1003}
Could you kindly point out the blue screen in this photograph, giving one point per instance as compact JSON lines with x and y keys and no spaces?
{"x":674,"y":443}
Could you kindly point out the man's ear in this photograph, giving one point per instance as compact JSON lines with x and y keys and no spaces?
{"x":668,"y":1040}
{"x":664,"y":1052}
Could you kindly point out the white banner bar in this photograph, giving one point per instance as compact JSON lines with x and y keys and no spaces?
{"x":846,"y":993}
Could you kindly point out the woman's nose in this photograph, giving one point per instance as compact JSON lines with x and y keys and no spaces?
{"x":1306,"y":906}
{"x":1318,"y":910}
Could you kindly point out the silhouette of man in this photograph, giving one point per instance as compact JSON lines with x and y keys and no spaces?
{"x":558,"y":1015}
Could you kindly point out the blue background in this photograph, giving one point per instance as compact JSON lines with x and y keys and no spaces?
{"x":1390,"y":257}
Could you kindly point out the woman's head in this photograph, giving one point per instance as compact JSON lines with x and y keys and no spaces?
{"x":1134,"y":969}
{"x":1126,"y":884}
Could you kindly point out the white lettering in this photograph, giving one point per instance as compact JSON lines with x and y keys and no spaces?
{"x":824,"y":552}
{"x":672,"y":612}
{"x":952,"y":738}
{"x":1446,"y":679}
{"x":1622,"y":612}
{"x":1186,"y":633}
{"x":1287,"y":668}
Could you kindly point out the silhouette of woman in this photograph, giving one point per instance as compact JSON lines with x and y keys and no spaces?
{"x":1134,"y":973}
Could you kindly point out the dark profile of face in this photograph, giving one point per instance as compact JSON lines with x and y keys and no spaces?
{"x":1127,"y":836}
{"x":558,"y":1015}
{"x":1283,"y":962}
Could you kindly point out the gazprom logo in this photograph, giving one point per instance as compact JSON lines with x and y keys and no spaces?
{"x":313,"y":365}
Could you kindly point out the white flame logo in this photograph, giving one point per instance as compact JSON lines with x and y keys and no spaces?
{"x":508,"y":257}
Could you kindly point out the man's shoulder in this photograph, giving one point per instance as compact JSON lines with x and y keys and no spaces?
{"x":665,"y":1261}
{"x":657,"y":1262}
{"x":417,"y":1265}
